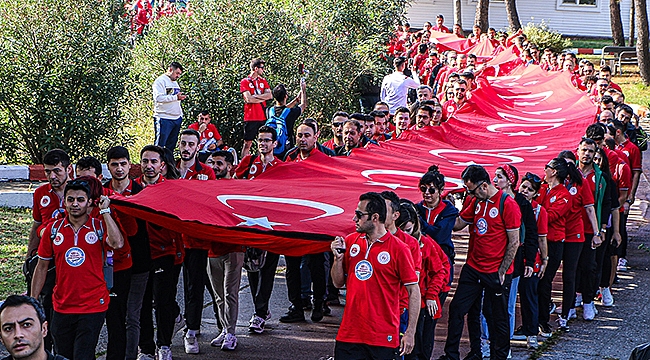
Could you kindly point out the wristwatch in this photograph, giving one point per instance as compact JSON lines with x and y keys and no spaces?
{"x":105,"y":211}
{"x":629,"y":201}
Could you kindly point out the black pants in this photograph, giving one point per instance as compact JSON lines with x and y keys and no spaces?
{"x":161,"y":289}
{"x":261,"y":283}
{"x":471,"y":286}
{"x":610,"y":250}
{"x":194,"y":274}
{"x":568,"y":253}
{"x":529,"y":304}
{"x":116,"y":315}
{"x":586,"y":274}
{"x":75,"y":335}
{"x":622,"y":250}
{"x":317,"y":271}
{"x":350,"y":351}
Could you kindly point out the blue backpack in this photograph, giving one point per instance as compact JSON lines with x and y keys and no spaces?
{"x":279,"y":123}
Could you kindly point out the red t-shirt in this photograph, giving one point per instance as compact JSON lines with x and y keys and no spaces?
{"x":47,"y":204}
{"x":198,"y":171}
{"x":374,"y":276}
{"x":209,"y":133}
{"x":434,"y":275}
{"x":330,"y":144}
{"x":254,"y":112}
{"x":416,"y":255}
{"x":633,"y":154}
{"x":80,"y":286}
{"x":490,"y":227}
{"x":450,"y":107}
{"x":441,"y":29}
{"x":557,"y":203}
{"x":581,"y":197}
{"x":256,"y":167}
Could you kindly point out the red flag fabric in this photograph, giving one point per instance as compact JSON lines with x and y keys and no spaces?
{"x":524,"y":117}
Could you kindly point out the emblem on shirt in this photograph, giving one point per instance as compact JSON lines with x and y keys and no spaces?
{"x":253,"y":170}
{"x":251,"y":85}
{"x":75,"y":256}
{"x":210,"y":134}
{"x":573,"y":191}
{"x":354,"y":250}
{"x":389,"y":338}
{"x":91,"y":238}
{"x":45,"y":201}
{"x":494,"y":212}
{"x":450,"y":108}
{"x":482,"y":226}
{"x":552,"y":199}
{"x":383,"y":257}
{"x":58,"y":239}
{"x":478,"y":209}
{"x":202,"y":177}
{"x":363,"y":270}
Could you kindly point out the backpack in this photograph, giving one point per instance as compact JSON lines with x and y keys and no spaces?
{"x":641,"y":138}
{"x":254,"y":259}
{"x":279,"y":123}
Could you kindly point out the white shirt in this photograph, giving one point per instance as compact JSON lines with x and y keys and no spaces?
{"x":165,"y":98}
{"x":394,"y":89}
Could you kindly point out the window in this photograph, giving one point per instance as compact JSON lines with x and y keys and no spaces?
{"x":579,"y":5}
{"x":579,"y":2}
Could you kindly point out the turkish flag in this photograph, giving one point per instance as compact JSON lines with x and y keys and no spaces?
{"x":523,"y":117}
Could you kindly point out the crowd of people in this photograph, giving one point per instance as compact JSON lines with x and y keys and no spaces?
{"x":89,"y":264}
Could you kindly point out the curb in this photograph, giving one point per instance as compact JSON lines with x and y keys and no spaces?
{"x":37,"y":172}
{"x":585,"y":51}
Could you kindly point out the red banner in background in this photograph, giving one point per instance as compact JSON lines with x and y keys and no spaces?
{"x":524,"y":118}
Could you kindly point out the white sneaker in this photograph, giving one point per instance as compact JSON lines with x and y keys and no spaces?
{"x":589,"y":311}
{"x":191,"y":345}
{"x":531,"y":342}
{"x":229,"y":342}
{"x":578,"y":302}
{"x":572,"y":314}
{"x":622,"y":265}
{"x":608,"y":299}
{"x":216,"y":342}
{"x":142,"y":356}
{"x":563,"y":323}
{"x":256,"y":324}
{"x":164,"y":353}
{"x":485,"y":348}
{"x":179,"y":323}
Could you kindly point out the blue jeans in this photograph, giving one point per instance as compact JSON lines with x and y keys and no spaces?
{"x":167,"y":131}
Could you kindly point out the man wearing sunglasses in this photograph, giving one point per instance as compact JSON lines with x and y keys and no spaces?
{"x":374,"y":265}
{"x":451,"y":106}
{"x":487,"y":272}
{"x":337,"y":129}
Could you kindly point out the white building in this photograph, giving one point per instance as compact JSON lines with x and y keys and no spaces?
{"x":570,"y":17}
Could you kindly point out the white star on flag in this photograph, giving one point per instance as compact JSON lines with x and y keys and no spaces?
{"x":260,"y":221}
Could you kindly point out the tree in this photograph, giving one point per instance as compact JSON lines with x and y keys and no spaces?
{"x":338,"y":42}
{"x":64,"y":67}
{"x":481,"y":18}
{"x":458,"y":14}
{"x":642,"y":50}
{"x":616,"y":22}
{"x":631,"y":40}
{"x":513,"y":16}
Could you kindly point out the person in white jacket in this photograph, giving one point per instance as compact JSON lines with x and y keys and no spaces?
{"x":167,"y":111}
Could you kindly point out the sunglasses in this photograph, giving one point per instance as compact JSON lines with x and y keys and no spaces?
{"x":549,"y":167}
{"x":532,"y":178}
{"x":424,"y":189}
{"x":473,"y":191}
{"x":358,"y":214}
{"x":337,"y":124}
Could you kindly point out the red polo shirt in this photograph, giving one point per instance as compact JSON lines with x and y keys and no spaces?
{"x":633,"y":154}
{"x":557,"y":202}
{"x":254,"y":112}
{"x":581,"y":197}
{"x":416,"y":255}
{"x":198,"y":171}
{"x":490,"y":227}
{"x":80,"y":286}
{"x":210,"y":132}
{"x":375,"y":274}
{"x":255,"y":165}
{"x":47,"y":204}
{"x":434,"y":273}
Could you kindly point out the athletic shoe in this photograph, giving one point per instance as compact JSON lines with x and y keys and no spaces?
{"x":191,"y":345}
{"x":164,"y":353}
{"x":229,"y":343}
{"x":545,"y":330}
{"x":608,"y":299}
{"x":563,"y":323}
{"x":143,"y":356}
{"x":216,"y":342}
{"x":256,"y":325}
{"x":306,"y":303}
{"x":268,"y":315}
{"x":485,"y":348}
{"x":551,"y":308}
{"x":589,"y":311}
{"x":317,"y":312}
{"x":578,"y":302}
{"x":572,"y":314}
{"x":558,"y":310}
{"x":293,"y":316}
{"x":509,"y":354}
{"x":179,"y":323}
{"x":531,"y":342}
{"x":622,"y":265}
{"x":519,"y":334}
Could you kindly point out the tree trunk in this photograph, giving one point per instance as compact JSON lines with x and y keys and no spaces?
{"x":616,"y":22}
{"x":632,"y":26}
{"x":642,"y":50}
{"x":481,"y":18}
{"x":513,"y":16}
{"x":458,"y":15}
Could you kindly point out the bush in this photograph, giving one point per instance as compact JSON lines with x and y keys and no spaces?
{"x":544,"y":37}
{"x":336,"y":41}
{"x":64,"y":68}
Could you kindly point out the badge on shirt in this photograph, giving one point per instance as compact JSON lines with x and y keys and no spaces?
{"x":363,"y":270}
{"x":552,"y":199}
{"x":494,"y":212}
{"x":253,"y":169}
{"x":482,"y":226}
{"x":58,"y":239}
{"x":202,"y":177}
{"x":573,"y":191}
{"x":450,"y":108}
{"x":75,"y":256}
{"x":383,"y":257}
{"x":91,"y":238}
{"x":45,"y":201}
{"x":354,"y":250}
{"x":477,"y":209}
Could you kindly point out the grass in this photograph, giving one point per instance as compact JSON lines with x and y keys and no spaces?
{"x":590,"y":43}
{"x":14,"y":227}
{"x":633,"y":88}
